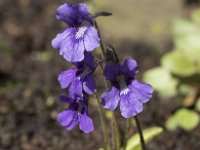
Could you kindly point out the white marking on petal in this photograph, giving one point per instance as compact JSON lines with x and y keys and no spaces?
{"x":81,"y":31}
{"x":123,"y":87}
{"x":124,"y":91}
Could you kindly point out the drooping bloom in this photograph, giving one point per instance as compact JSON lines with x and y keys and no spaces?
{"x":80,"y":78}
{"x":77,"y":113}
{"x":131,"y":93}
{"x":80,"y":36}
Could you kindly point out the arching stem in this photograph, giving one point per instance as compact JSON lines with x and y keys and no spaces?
{"x":115,"y":129}
{"x":140,"y":133}
{"x":103,"y":124}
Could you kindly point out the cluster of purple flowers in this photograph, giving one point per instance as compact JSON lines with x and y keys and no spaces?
{"x":75,"y":44}
{"x":80,"y":36}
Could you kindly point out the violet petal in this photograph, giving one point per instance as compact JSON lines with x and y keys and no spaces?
{"x":91,"y":39}
{"x":110,"y":98}
{"x":141,"y":90}
{"x":129,"y":67}
{"x":130,"y":105}
{"x":89,"y":84}
{"x":66,"y":77}
{"x":85,"y":123}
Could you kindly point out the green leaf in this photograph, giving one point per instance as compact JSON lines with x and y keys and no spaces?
{"x":134,"y":142}
{"x":178,"y":63}
{"x":162,"y":81}
{"x":189,"y":45}
{"x":184,"y":119}
{"x":196,"y":16}
{"x":197,"y":106}
{"x":186,"y":39}
{"x":184,"y":89}
{"x":183,"y":27}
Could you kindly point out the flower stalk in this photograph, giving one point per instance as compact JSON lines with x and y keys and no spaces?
{"x":142,"y":142}
{"x":116,"y":135}
{"x":115,"y":132}
{"x":103,"y":124}
{"x":101,"y":40}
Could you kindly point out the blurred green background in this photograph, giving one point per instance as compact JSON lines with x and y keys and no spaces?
{"x":163,"y":36}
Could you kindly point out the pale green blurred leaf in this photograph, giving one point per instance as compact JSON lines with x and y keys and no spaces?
{"x":185,"y":89}
{"x":162,"y":81}
{"x":196,"y":16}
{"x":134,"y":142}
{"x":186,"y":39}
{"x":189,"y":45}
{"x":184,"y":27}
{"x":178,"y":63}
{"x":183,"y":118}
{"x":198,"y":66}
{"x":197,"y":106}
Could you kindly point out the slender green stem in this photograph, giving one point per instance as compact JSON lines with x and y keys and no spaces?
{"x":117,"y":142}
{"x":140,"y":133}
{"x":101,"y":41}
{"x":126,"y":133}
{"x":105,"y":81}
{"x":103,"y":52}
{"x":103,"y":124}
{"x":115,"y":134}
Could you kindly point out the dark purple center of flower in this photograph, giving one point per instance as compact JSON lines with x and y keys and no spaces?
{"x":122,"y":84}
{"x":80,"y":107}
{"x":84,"y":72}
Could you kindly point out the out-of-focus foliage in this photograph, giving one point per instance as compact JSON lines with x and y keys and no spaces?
{"x":183,"y":118}
{"x":196,"y":16}
{"x":134,"y":142}
{"x":183,"y":61}
{"x":178,"y":63}
{"x":160,"y":78}
{"x":179,"y":73}
{"x":187,"y":35}
{"x":197,"y":106}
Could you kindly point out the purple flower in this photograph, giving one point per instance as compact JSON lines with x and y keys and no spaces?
{"x":80,"y":36}
{"x":80,"y":78}
{"x":77,"y":113}
{"x":125,"y":88}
